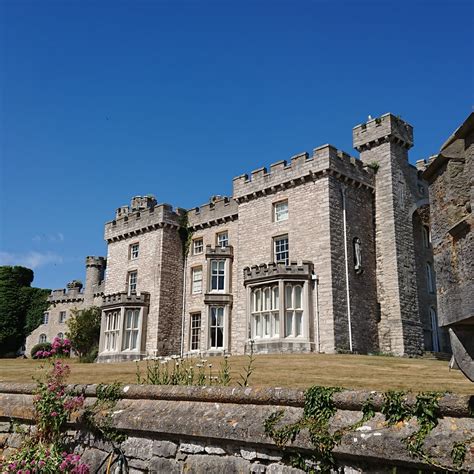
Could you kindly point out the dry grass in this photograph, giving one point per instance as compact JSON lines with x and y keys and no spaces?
{"x":297,"y":371}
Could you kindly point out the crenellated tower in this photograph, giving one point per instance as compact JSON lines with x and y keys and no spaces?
{"x":95,"y":268}
{"x":383,"y":144}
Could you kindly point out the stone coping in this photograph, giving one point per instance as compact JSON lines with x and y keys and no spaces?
{"x":450,"y":405}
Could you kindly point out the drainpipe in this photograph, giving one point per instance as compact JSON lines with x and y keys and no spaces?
{"x":183,"y":317}
{"x":318,"y":332}
{"x":346,"y":261}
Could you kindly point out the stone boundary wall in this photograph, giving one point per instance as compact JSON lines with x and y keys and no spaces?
{"x":221,"y":430}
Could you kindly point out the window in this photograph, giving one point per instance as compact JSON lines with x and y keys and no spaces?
{"x":45,"y":318}
{"x":198,"y":246}
{"x":195,"y":331}
{"x":111,"y":330}
{"x":357,"y":255}
{"x":430,"y":277}
{"x":280,"y":210}
{"x":132,"y":283}
{"x":293,"y":310}
{"x":131,"y":328}
{"x":265,"y":312}
{"x":223,"y":239}
{"x":42,"y":338}
{"x":60,"y":335}
{"x":133,"y":253}
{"x":197,"y":280}
{"x":62,"y":316}
{"x":282,"y":254}
{"x":426,"y":236}
{"x":434,"y":330}
{"x":217,"y":275}
{"x":216,"y":326}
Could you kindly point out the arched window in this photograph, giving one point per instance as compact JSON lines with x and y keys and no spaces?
{"x":426,"y":236}
{"x":43,"y":338}
{"x":434,"y":330}
{"x":357,"y":255}
{"x":265,"y":312}
{"x":430,"y":277}
{"x":293,"y":310}
{"x":60,"y":335}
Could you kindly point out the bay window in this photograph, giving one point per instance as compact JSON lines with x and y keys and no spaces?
{"x":216,"y":327}
{"x":131,"y":330}
{"x":217,"y":275}
{"x":112,"y":330}
{"x":265,"y":312}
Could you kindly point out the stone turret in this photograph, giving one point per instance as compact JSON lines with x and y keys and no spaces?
{"x":383,"y":144}
{"x":95,"y":268}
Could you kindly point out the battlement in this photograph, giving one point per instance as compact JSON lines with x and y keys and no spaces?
{"x":302,"y":168}
{"x":92,"y":261}
{"x":213,"y":252}
{"x":218,"y":209}
{"x":125,"y":299}
{"x":264,"y":272}
{"x":136,"y":221}
{"x":138,"y":203}
{"x":73,"y":293}
{"x":387,"y":128}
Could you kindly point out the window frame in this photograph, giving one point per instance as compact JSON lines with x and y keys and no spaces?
{"x":194,"y":271}
{"x":62,"y":317}
{"x":216,"y":327}
{"x":430,"y":278}
{"x":425,"y":230}
{"x":131,"y":332}
{"x":280,"y":238}
{"x":132,"y":251}
{"x":195,"y":331}
{"x":42,"y":339}
{"x":219,"y":274}
{"x":112,"y":331}
{"x":198,"y":249}
{"x":130,"y":290}
{"x":278,"y":215}
{"x":226,"y":240}
{"x":265,"y":312}
{"x":46,"y":317}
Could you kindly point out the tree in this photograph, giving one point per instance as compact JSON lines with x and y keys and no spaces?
{"x":13,"y":306}
{"x":84,"y":330}
{"x":37,"y":305}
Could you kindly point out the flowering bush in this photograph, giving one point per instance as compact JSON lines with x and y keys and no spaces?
{"x":60,"y":347}
{"x":44,"y":451}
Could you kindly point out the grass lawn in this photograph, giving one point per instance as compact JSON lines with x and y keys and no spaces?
{"x":297,"y":371}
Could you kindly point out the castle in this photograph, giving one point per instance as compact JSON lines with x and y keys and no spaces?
{"x":325,"y":253}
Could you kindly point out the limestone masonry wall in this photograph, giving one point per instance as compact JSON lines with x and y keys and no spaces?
{"x":213,"y":430}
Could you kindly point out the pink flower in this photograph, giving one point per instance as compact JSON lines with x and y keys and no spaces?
{"x":41,"y":463}
{"x":53,"y":413}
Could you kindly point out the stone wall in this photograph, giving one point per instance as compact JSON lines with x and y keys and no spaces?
{"x":221,"y":430}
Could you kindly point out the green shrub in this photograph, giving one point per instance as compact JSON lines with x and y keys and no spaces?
{"x":42,"y":346}
{"x":90,"y":357}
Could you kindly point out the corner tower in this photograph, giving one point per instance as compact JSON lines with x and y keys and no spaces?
{"x":95,"y":268}
{"x":383,"y":144}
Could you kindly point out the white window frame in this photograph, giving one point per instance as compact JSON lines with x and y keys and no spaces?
{"x":278,"y":252}
{"x":196,"y":280}
{"x":62,"y":316}
{"x":214,"y":328}
{"x":217,"y":275}
{"x":42,"y":338}
{"x":134,"y":251}
{"x":131,"y":330}
{"x":46,"y":317}
{"x":294,"y":310}
{"x":195,"y":323}
{"x":112,"y":330}
{"x":265,"y":312}
{"x":132,"y":281}
{"x":223,"y":239}
{"x":198,"y":246}
{"x":280,"y":211}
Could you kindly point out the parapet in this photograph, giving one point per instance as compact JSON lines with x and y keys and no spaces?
{"x":218,"y":209}
{"x":72,"y":294}
{"x":124,"y":299}
{"x":263,"y":272}
{"x":138,"y":219}
{"x":138,"y":203}
{"x":301,"y":168}
{"x":382,"y":129}
{"x":225,"y":252}
{"x":92,"y":261}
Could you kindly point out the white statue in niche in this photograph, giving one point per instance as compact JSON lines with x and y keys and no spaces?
{"x":357,"y":256}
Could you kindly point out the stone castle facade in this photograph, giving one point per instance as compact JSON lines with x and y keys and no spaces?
{"x":325,"y":253}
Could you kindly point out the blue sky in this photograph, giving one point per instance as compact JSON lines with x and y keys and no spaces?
{"x":102,"y":100}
